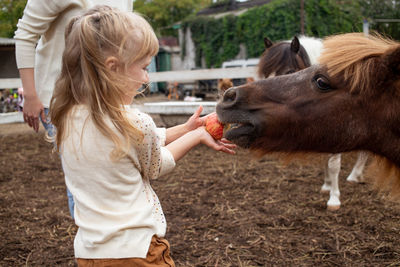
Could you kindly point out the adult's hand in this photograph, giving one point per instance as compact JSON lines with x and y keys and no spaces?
{"x":33,"y":108}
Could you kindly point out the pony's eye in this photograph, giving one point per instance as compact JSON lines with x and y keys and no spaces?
{"x":322,"y":83}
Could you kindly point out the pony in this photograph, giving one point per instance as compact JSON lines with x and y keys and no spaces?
{"x":224,"y":84}
{"x":291,"y":56}
{"x":350,"y":101}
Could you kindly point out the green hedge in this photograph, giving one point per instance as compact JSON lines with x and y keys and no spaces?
{"x":218,"y":40}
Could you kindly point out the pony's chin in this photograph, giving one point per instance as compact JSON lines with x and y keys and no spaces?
{"x":242,"y":136}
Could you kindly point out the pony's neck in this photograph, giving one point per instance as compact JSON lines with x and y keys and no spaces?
{"x":389,"y":148}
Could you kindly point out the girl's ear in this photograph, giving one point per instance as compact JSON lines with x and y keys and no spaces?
{"x":112,"y":63}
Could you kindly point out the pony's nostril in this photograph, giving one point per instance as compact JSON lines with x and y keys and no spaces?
{"x":230,"y":95}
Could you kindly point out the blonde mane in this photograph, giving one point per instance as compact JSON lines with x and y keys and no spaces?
{"x":354,"y":57}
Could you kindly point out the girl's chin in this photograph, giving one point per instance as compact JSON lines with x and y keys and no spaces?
{"x":128,"y":100}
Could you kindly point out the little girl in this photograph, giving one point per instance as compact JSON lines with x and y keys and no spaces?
{"x":109,"y":150}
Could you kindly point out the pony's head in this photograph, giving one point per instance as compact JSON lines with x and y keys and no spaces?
{"x":282,"y":58}
{"x":351,"y":101}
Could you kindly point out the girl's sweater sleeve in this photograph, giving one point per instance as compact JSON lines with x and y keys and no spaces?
{"x":154,"y":159}
{"x":167,"y":160}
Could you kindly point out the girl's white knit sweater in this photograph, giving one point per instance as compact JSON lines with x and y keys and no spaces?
{"x":116,"y":209}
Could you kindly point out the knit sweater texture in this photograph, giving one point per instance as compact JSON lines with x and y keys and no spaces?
{"x":116,"y":209}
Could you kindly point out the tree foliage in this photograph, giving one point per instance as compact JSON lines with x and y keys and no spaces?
{"x":326,"y":17}
{"x":10,"y":12}
{"x":218,"y":39}
{"x":376,"y":10}
{"x":163,"y":14}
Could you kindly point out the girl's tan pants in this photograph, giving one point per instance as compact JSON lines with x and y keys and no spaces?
{"x":158,"y":255}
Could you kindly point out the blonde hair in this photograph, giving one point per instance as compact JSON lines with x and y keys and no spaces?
{"x":90,"y":39}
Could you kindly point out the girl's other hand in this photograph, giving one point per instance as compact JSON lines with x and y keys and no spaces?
{"x":223,"y":145}
{"x":180,"y":146}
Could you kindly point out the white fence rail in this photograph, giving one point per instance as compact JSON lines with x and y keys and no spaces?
{"x":202,"y":74}
{"x":10,"y":117}
{"x":10,"y":83}
{"x":165,"y":76}
{"x":172,"y":76}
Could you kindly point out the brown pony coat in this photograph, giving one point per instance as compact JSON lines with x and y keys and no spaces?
{"x":282,"y":58}
{"x":366,"y":64}
{"x":365,"y":74}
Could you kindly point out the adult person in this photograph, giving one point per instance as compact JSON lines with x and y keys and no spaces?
{"x":39,"y":47}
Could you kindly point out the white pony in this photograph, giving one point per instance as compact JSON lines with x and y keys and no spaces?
{"x":293,"y":55}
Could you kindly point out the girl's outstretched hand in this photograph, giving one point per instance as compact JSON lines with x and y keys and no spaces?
{"x":223,"y":145}
{"x":195,"y":121}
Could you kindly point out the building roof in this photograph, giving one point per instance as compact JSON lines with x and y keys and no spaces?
{"x":231,"y":6}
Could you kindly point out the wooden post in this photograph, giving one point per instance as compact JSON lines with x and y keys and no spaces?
{"x":302,"y":17}
{"x":365,"y":27}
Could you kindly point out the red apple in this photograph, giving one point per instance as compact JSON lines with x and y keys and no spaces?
{"x":214,"y":127}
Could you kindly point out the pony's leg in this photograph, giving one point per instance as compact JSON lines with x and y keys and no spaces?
{"x":332,"y":168}
{"x":326,"y":187}
{"x":332,"y":174}
{"x":356,"y":174}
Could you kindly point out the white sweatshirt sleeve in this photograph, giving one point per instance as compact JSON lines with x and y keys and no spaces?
{"x":36,"y":20}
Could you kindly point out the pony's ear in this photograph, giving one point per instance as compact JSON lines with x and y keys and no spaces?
{"x":267,"y":42}
{"x":384,"y":69}
{"x":295,"y":45}
{"x":391,"y":60}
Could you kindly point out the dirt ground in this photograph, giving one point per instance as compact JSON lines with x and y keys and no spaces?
{"x":221,"y":211}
